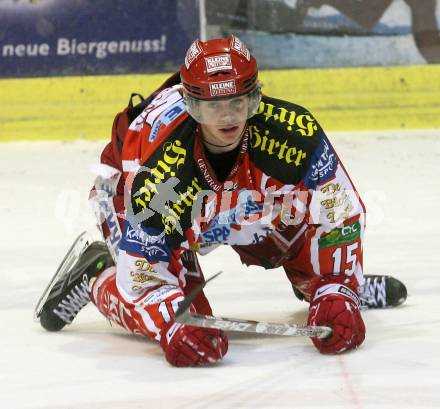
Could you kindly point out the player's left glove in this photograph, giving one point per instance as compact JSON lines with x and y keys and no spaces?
{"x":337,"y":306}
{"x":185,"y":345}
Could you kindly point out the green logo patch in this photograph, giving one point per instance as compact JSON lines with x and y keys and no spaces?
{"x":340,"y":236}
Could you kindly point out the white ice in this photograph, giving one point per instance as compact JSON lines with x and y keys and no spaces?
{"x":91,"y":364}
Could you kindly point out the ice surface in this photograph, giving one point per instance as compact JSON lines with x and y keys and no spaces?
{"x":90,"y":364}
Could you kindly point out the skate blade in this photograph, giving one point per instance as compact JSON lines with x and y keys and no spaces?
{"x":82,"y":242}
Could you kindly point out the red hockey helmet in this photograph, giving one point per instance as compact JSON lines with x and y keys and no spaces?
{"x":219,"y":69}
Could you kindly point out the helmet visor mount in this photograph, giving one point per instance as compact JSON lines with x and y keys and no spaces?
{"x":224,"y":110}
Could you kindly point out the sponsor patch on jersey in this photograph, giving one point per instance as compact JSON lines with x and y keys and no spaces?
{"x":218,"y":63}
{"x":148,"y":242}
{"x":221,"y":88}
{"x":173,"y":112}
{"x":140,"y":280}
{"x":193,"y":52}
{"x":161,"y":294}
{"x":219,"y":228}
{"x":238,"y":46}
{"x":342,"y":235}
{"x":322,"y":167}
{"x":160,"y":104}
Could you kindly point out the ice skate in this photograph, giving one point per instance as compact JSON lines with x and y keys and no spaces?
{"x":68,"y":292}
{"x":381,"y":291}
{"x":378,"y":291}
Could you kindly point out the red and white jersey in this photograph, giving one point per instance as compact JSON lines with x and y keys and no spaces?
{"x":288,"y":201}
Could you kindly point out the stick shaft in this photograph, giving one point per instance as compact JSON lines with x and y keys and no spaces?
{"x":259,"y":327}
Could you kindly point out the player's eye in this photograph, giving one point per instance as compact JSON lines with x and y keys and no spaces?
{"x":213,"y":106}
{"x":237,"y":103}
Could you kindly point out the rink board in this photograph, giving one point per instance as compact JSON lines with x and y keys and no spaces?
{"x":67,"y":108}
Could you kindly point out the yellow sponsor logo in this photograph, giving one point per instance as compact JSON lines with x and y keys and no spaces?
{"x":141,"y":278}
{"x":144,"y":266}
{"x":174,"y":211}
{"x":144,"y":273}
{"x":334,"y":217}
{"x":173,"y":157}
{"x":336,"y":197}
{"x":283,"y":151}
{"x":334,"y":202}
{"x":305,"y":124}
{"x":330,"y":188}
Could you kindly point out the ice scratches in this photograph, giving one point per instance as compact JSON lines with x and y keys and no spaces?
{"x":241,"y":393}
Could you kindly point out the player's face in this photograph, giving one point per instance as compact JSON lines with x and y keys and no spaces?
{"x":223,"y":121}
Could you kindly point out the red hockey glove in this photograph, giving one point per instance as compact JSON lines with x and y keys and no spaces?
{"x":185,"y":345}
{"x":336,"y":306}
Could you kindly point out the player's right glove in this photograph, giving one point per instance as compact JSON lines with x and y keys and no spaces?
{"x":337,"y":306}
{"x":185,"y":345}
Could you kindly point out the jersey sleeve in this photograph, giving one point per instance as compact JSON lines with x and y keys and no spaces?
{"x":154,"y":269}
{"x":332,"y":215}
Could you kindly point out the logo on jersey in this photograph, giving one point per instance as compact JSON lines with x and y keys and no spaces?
{"x":221,"y":88}
{"x":273,"y":147}
{"x":140,"y":279}
{"x":323,"y":165}
{"x":218,"y":63}
{"x":304,"y":124}
{"x":174,"y":210}
{"x":172,"y":158}
{"x":148,"y":242}
{"x":334,"y":196}
{"x":220,"y":227}
{"x":343,"y":235}
{"x":173,"y":112}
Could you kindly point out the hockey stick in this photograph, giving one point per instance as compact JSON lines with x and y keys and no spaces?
{"x":183,"y":316}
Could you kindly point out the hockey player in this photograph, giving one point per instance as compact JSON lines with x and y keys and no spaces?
{"x":210,"y":161}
